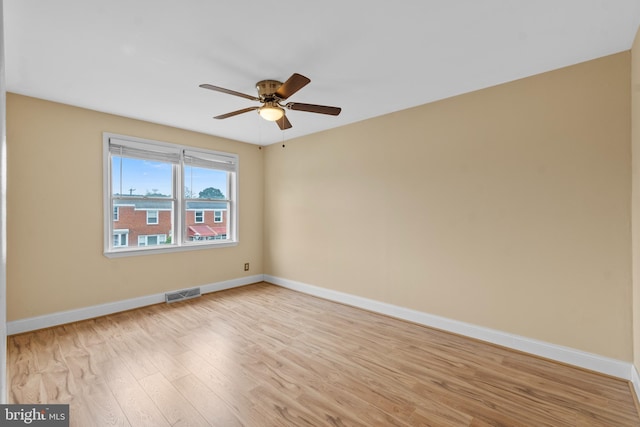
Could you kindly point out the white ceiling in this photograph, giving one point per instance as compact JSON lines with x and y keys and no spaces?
{"x":145,"y":58}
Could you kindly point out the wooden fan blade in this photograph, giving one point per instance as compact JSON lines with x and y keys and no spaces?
{"x":235,"y":113}
{"x":284,"y":123}
{"x":312,"y":108}
{"x":229,"y":91}
{"x":292,"y":85}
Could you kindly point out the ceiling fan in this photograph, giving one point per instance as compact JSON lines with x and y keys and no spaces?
{"x":272,"y":94}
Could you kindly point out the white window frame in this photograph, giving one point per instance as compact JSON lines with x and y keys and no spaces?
{"x":195,"y":216}
{"x":179,"y":242}
{"x":215,"y":216}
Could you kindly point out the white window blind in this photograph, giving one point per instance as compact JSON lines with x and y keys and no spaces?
{"x":142,"y":150}
{"x":211,"y":160}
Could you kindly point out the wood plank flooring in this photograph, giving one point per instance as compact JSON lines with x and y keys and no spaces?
{"x":262,"y":355}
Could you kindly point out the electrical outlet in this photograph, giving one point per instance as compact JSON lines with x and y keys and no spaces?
{"x":246,"y":266}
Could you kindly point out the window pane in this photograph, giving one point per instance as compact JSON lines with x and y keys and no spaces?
{"x":203,"y":183}
{"x":137,"y":177}
{"x":152,"y":217}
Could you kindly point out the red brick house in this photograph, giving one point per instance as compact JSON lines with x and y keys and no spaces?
{"x":140,"y":222}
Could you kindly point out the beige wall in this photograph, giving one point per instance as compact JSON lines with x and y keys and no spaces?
{"x":507,"y":208}
{"x":54,"y":218}
{"x":635,"y":143}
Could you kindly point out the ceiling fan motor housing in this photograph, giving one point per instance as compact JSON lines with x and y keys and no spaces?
{"x":266,"y":88}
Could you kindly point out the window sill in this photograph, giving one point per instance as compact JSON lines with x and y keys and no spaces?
{"x":166,"y":249}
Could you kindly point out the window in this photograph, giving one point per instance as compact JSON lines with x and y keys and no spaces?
{"x":158,"y":194}
{"x":152,"y":217}
{"x":120,"y":238}
{"x":152,"y":240}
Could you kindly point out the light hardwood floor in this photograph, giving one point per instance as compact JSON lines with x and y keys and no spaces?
{"x":262,"y":355}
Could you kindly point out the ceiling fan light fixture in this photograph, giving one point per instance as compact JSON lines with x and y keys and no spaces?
{"x":271,"y":112}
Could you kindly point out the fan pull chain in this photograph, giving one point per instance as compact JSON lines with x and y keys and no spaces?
{"x":283,"y":138}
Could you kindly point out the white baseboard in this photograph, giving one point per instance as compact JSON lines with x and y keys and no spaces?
{"x":635,"y":380}
{"x":593,"y":362}
{"x":62,"y":317}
